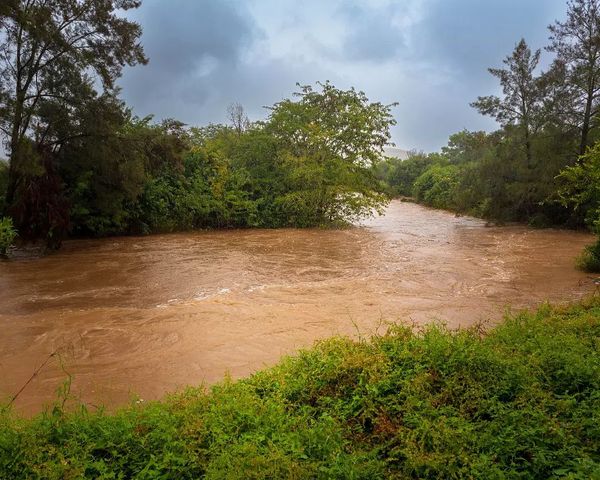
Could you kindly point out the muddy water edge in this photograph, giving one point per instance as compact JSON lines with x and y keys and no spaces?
{"x":141,"y":316}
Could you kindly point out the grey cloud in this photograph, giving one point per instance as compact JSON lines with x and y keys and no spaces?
{"x":207,"y":54}
{"x":371,"y":33}
{"x":471,"y":35}
{"x":187,"y":43}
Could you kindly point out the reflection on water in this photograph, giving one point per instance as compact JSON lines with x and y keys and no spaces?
{"x":148,"y":315}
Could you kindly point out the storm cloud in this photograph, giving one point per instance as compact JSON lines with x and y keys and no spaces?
{"x":430,"y":56}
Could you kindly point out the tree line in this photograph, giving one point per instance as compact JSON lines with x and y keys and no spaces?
{"x":542,"y":165}
{"x":81,"y":163}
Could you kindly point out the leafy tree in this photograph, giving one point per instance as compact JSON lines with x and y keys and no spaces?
{"x":464,"y":146}
{"x":107,"y":173}
{"x":576,"y":43}
{"x":436,"y":187}
{"x":523,"y":102}
{"x":403,"y":173}
{"x":580,"y":187}
{"x":331,"y":139}
{"x":50,"y":57}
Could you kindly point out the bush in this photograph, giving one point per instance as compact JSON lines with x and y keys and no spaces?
{"x":436,"y":187}
{"x":7,"y":234}
{"x":589,"y":260}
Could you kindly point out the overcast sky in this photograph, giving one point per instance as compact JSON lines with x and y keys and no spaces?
{"x":430,"y":56}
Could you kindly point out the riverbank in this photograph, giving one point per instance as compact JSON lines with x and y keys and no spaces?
{"x":522,"y":401}
{"x":148,"y":315}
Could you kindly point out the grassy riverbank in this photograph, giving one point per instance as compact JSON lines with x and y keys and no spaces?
{"x":520,"y":402}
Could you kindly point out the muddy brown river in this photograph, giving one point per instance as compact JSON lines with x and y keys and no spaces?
{"x":141,"y":316}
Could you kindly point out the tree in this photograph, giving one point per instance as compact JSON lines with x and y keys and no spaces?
{"x":238,"y":118}
{"x":580,"y":190}
{"x":329,"y":141}
{"x":576,"y":43}
{"x":403,"y":173}
{"x":51,"y":54}
{"x":466,"y":146}
{"x":579,"y":187}
{"x":524,"y":95}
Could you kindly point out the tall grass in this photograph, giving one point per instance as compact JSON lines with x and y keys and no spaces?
{"x":521,"y":402}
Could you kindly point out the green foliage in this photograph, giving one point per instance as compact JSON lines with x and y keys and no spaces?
{"x":53,"y":58}
{"x":7,"y":234}
{"x":589,"y":260}
{"x":580,"y":187}
{"x":400,"y":175}
{"x":490,"y":177}
{"x":131,"y":175}
{"x":329,"y":141}
{"x":520,"y":402}
{"x":580,"y":190}
{"x":105,"y":175}
{"x":296,"y":169}
{"x":575,"y":70}
{"x":437,"y":186}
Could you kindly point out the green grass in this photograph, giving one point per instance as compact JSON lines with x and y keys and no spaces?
{"x":521,"y":402}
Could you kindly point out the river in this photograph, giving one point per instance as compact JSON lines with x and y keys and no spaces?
{"x":141,"y":316}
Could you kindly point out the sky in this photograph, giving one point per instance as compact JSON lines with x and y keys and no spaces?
{"x":430,"y":56}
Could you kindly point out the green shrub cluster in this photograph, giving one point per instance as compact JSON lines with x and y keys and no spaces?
{"x":486,"y":175}
{"x":436,"y":186}
{"x":521,"y":402}
{"x":589,"y":260}
{"x":7,"y":234}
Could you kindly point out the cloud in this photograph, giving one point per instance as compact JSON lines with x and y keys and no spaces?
{"x":189,"y":44}
{"x":429,"y":55}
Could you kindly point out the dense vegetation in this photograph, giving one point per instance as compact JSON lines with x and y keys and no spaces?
{"x":297,"y":168}
{"x":531,"y":169}
{"x":82,"y":164}
{"x":520,"y":402}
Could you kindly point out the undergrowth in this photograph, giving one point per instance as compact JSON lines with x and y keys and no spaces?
{"x":589,"y":260}
{"x":520,"y":402}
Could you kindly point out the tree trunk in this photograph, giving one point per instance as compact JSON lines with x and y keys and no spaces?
{"x":585,"y":129}
{"x":15,"y":144}
{"x":528,"y":147}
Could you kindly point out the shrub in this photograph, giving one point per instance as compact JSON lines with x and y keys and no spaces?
{"x":437,"y":186}
{"x":589,"y":260}
{"x":7,"y":234}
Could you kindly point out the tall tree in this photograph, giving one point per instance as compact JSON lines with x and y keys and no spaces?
{"x":576,"y":43}
{"x":523,"y":102}
{"x":52,"y":53}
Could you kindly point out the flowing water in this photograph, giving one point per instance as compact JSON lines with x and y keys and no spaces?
{"x":147,"y":315}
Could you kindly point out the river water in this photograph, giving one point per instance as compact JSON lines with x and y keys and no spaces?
{"x":148,"y":315}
